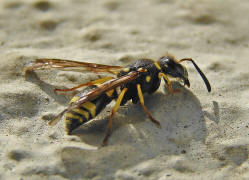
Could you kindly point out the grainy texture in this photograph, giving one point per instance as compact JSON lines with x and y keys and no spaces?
{"x":203,"y":135}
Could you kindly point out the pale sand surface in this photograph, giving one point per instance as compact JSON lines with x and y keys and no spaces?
{"x":203,"y":135}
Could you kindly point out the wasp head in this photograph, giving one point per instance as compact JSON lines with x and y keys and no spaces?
{"x":172,"y":68}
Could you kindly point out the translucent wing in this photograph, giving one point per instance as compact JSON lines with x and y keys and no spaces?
{"x":68,"y":65}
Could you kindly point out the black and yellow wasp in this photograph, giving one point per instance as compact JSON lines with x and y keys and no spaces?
{"x":130,"y":83}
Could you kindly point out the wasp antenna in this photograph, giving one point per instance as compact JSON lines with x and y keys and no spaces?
{"x":200,"y":72}
{"x":57,"y":118}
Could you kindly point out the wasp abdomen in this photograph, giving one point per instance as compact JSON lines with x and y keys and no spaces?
{"x":88,"y":110}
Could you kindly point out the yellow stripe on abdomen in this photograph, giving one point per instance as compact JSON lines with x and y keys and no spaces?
{"x":70,"y":115}
{"x":81,"y":112}
{"x":90,"y":107}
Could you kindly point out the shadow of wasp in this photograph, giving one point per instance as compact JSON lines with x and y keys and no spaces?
{"x":130,"y":83}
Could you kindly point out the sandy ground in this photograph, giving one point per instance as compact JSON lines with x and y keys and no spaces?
{"x":203,"y":135}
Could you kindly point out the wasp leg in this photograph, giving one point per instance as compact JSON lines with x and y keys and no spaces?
{"x":167,"y":81}
{"x":141,"y":99}
{"x":98,"y":81}
{"x":114,"y":110}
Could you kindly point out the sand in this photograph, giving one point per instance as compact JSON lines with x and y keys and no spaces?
{"x":203,"y":135}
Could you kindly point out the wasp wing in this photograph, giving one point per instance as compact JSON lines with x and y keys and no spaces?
{"x":102,"y":88}
{"x":69,"y":65}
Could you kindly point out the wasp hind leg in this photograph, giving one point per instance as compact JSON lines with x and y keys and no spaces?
{"x":98,"y":81}
{"x":141,"y":99}
{"x":114,"y":110}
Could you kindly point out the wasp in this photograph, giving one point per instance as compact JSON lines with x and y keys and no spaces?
{"x":129,"y":83}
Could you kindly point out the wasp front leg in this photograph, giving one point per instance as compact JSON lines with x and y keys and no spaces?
{"x":168,"y":82}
